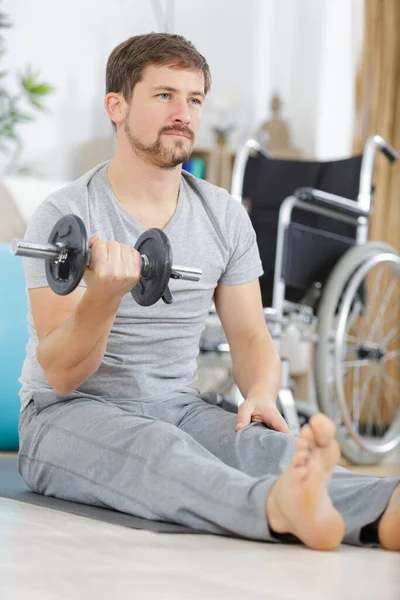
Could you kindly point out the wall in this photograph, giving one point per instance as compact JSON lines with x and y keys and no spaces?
{"x":341,"y":51}
{"x":254,"y":47}
{"x":69,"y":42}
{"x":313,"y":51}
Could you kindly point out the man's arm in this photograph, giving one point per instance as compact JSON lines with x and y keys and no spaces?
{"x":256,"y":365}
{"x":255,"y":360}
{"x":73,"y":330}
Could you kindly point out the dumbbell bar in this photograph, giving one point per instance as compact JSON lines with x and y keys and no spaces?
{"x":67,"y":255}
{"x":57,"y":253}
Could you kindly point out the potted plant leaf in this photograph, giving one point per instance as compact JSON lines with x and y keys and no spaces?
{"x":18,"y":107}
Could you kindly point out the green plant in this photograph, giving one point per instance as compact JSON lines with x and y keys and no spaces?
{"x":14,"y":107}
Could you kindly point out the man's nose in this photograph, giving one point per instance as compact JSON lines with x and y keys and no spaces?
{"x":181,"y":113}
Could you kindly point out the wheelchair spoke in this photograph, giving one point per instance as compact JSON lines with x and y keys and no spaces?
{"x":352,"y":339}
{"x":371,"y":375}
{"x":372,"y":303}
{"x":354,"y":317}
{"x":392,"y":399}
{"x":392,"y":316}
{"x":367,"y":387}
{"x":381,"y":313}
{"x":391,"y":405}
{"x":356,"y":398}
{"x":366,"y":390}
{"x":381,"y":405}
{"x":373,"y":407}
{"x":390,"y":336}
{"x":357,"y":363}
{"x":389,"y":379}
{"x":391,"y":355}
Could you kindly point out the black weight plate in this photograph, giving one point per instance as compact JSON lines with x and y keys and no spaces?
{"x":155,"y":245}
{"x":63,"y":278}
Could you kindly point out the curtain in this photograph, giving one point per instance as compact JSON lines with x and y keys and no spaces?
{"x":378,"y":112}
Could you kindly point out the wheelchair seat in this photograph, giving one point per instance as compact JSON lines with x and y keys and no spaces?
{"x":315,"y":242}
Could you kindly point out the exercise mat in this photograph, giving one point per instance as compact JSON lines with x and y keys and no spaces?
{"x":14,"y":487}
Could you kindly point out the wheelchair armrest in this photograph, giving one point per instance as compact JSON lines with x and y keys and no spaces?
{"x":342,"y":205}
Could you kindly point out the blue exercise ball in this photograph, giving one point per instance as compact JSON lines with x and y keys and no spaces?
{"x":13,"y":339}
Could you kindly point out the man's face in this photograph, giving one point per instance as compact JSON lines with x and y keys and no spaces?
{"x":164,"y":115}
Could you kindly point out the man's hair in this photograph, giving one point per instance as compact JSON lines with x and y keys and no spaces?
{"x":127,"y":62}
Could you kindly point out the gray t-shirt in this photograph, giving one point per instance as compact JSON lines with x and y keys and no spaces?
{"x":151,"y":352}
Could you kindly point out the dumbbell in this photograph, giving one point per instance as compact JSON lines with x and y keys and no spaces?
{"x":67,"y":255}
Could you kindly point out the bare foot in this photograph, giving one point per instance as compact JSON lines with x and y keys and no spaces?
{"x":389,"y":525}
{"x":299,"y":502}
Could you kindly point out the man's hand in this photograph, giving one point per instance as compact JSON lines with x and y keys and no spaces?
{"x":258,"y":409}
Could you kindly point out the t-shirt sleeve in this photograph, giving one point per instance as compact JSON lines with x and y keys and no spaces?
{"x":38,"y":230}
{"x":244,"y":262}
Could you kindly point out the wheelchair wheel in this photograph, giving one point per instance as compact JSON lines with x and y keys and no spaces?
{"x":305,"y":411}
{"x":357,"y":364}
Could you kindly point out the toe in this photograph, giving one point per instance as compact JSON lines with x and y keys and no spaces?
{"x":301,"y":458}
{"x":307,"y":435}
{"x":302,"y":443}
{"x":323,"y":429}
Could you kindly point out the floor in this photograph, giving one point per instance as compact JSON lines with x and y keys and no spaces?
{"x":49,"y":555}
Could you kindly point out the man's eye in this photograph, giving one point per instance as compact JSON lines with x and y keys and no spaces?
{"x":195,"y":100}
{"x":164,"y":96}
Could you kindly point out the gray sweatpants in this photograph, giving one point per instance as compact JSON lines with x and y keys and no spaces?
{"x":178,"y":460}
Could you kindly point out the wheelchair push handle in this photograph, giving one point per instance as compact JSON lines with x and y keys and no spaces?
{"x":385,"y":148}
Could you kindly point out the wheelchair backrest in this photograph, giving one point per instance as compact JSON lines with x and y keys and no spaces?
{"x":266,"y":184}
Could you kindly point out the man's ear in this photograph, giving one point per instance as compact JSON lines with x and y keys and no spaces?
{"x":115,"y":105}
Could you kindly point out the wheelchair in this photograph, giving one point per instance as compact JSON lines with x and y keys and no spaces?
{"x":331,"y":297}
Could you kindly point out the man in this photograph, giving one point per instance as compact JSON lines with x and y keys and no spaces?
{"x":109,"y":413}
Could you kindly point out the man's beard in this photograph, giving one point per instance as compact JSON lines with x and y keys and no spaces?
{"x":158,"y":154}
